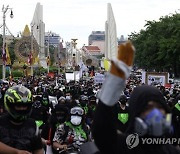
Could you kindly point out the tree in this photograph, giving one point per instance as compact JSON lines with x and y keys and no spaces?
{"x":158,"y":46}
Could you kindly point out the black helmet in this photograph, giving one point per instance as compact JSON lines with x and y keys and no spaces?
{"x":60,"y":112}
{"x":18,"y":96}
{"x":92,"y":99}
{"x":83,"y":100}
{"x":123,"y":99}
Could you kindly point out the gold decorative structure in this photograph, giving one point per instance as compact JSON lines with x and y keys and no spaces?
{"x":23,"y":46}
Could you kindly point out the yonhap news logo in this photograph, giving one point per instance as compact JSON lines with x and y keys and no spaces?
{"x":133,"y":140}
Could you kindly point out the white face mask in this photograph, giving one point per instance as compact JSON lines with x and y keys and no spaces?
{"x":76,"y":120}
{"x":68,"y":97}
{"x":77,"y":101}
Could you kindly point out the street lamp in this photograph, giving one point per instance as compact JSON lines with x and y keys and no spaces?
{"x":48,"y":54}
{"x":4,"y":10}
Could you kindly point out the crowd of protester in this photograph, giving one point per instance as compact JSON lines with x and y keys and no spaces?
{"x":66,"y":121}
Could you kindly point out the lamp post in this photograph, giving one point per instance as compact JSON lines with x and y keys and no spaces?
{"x":74,"y":56}
{"x":31,"y":61}
{"x":4,"y":10}
{"x":48,"y":55}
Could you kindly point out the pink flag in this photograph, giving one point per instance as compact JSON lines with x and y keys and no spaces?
{"x":30,"y":59}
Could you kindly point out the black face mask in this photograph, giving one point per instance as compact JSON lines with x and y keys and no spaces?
{"x":61,"y":118}
{"x":83,"y":103}
{"x":123,"y":102}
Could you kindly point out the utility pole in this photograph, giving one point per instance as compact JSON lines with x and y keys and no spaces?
{"x":74,"y":56}
{"x":48,"y":55}
{"x":4,"y":10}
{"x":32,"y":25}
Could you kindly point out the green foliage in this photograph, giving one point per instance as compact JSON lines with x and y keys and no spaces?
{"x":39,"y":71}
{"x":158,"y":46}
{"x":17,"y":73}
{"x":53,"y":69}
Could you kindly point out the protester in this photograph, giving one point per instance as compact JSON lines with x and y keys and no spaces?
{"x":176,"y":117}
{"x":5,"y":149}
{"x":123,"y":114}
{"x":73,"y":132}
{"x":16,"y":128}
{"x":59,"y":115}
{"x":146,"y":104}
{"x":91,"y":110}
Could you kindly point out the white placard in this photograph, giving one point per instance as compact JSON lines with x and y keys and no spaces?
{"x":53,"y":100}
{"x":98,"y":78}
{"x":71,"y":76}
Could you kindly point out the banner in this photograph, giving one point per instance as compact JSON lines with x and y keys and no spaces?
{"x":98,"y":78}
{"x":155,"y":78}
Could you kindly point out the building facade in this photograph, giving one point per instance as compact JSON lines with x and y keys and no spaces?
{"x":53,"y":38}
{"x":97,"y":38}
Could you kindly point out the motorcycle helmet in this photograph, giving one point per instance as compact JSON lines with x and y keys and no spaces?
{"x":60,"y":113}
{"x":123,"y":99}
{"x":17,"y":97}
{"x":92,"y":99}
{"x":83,"y":100}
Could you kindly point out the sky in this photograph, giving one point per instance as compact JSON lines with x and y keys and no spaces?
{"x":78,"y":18}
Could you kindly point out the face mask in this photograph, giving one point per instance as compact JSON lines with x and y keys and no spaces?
{"x":83,"y":103}
{"x":77,"y":101}
{"x":76,"y":120}
{"x":123,"y":102}
{"x":68,"y":97}
{"x":154,"y":124}
{"x":60,"y":118}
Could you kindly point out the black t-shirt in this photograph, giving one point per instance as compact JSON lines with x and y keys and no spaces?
{"x":23,"y":137}
{"x":122,"y":118}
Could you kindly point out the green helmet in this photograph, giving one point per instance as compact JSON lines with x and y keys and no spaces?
{"x":18,"y":96}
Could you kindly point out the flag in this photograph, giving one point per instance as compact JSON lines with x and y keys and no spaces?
{"x":4,"y":58}
{"x":37,"y":60}
{"x":8,"y":59}
{"x":107,"y":64}
{"x":30,"y":58}
{"x":48,"y":60}
{"x":10,"y":75}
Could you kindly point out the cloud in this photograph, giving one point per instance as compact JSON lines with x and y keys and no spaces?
{"x":79,"y":18}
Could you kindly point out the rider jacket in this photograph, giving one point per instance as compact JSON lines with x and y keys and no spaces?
{"x":23,"y":137}
{"x":69,"y":134}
